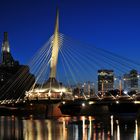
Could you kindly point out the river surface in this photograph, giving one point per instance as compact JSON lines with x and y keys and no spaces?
{"x":68,"y":128}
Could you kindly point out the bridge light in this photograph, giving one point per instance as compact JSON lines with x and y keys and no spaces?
{"x":83,"y":104}
{"x":126,"y":92}
{"x":61,"y":93}
{"x":91,"y":102}
{"x":134,"y":95}
{"x":76,"y":96}
{"x":63,"y":102}
{"x":63,"y":89}
{"x":117,"y":102}
{"x":49,"y":94}
{"x":137,"y":102}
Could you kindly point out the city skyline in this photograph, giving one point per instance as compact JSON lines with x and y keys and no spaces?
{"x":83,"y":83}
{"x":111,"y":25}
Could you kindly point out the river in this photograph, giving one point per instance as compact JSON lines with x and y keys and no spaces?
{"x":68,"y":128}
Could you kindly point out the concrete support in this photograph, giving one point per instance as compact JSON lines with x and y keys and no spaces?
{"x":53,"y":110}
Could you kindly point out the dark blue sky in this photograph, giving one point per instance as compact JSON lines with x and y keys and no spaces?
{"x":109,"y":24}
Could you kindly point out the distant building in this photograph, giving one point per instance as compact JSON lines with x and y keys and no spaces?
{"x":86,"y":89}
{"x":15,"y":79}
{"x":131,"y":80}
{"x":134,"y":79}
{"x":127,"y":82}
{"x":105,"y":80}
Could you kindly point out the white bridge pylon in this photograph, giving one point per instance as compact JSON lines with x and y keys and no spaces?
{"x":51,"y":88}
{"x":55,"y":49}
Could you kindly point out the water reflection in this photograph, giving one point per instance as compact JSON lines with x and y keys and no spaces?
{"x":9,"y":128}
{"x":136,"y":131}
{"x":112,"y":123}
{"x":68,"y":128}
{"x":118,"y":130}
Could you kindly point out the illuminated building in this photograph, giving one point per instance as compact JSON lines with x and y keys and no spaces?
{"x":14,"y":78}
{"x":134,"y":79}
{"x":105,"y":80}
{"x":127,"y":82}
{"x":131,"y":80}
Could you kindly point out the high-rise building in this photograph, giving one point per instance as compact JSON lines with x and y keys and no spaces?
{"x":15,"y":79}
{"x":7,"y":59}
{"x":134,"y":79}
{"x":131,"y":80}
{"x":105,"y":80}
{"x":127,"y":82}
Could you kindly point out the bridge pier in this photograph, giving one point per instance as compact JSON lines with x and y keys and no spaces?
{"x":53,"y":110}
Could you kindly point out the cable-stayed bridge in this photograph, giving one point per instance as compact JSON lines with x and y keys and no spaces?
{"x":67,"y":70}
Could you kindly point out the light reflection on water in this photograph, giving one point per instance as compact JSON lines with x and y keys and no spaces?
{"x":67,"y":128}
